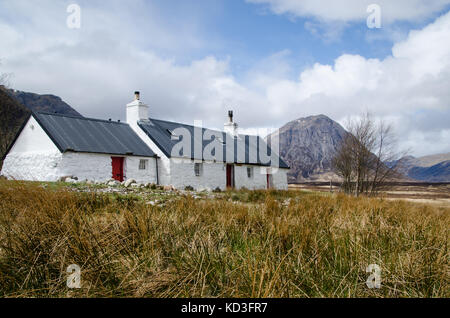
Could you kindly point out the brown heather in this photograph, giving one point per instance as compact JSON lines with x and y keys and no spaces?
{"x":242,"y":244}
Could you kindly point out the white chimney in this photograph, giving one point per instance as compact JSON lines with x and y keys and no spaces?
{"x":231,"y":127}
{"x":136,"y":110}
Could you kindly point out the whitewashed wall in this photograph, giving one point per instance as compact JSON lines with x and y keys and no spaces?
{"x":183,"y":174}
{"x":86,"y":166}
{"x":33,"y":157}
{"x":163,"y":161}
{"x":257,"y":181}
{"x":141,"y":176}
{"x":214,"y":175}
{"x":279,"y":179}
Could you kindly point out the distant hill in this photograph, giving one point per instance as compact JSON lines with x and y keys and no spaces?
{"x":435,"y":168}
{"x":308,"y":146}
{"x":437,"y":173}
{"x":47,"y":103}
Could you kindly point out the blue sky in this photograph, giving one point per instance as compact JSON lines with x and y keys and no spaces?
{"x":271,"y":61}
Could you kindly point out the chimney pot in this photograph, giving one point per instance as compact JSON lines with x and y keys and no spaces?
{"x":137,"y":95}
{"x":230,"y":115}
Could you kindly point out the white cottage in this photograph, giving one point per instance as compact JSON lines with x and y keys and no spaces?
{"x":52,"y":146}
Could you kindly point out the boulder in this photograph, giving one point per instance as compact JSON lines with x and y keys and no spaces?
{"x":70,"y":180}
{"x":134,"y":185}
{"x":129,"y":182}
{"x":113,"y":183}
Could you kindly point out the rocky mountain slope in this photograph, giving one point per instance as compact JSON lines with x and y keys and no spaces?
{"x":308,"y":146}
{"x":47,"y":103}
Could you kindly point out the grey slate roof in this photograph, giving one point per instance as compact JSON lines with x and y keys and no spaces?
{"x":80,"y":134}
{"x":159,"y":132}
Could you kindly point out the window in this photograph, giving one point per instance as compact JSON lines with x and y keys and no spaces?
{"x":198,"y":167}
{"x":250,"y":172}
{"x":143,"y":164}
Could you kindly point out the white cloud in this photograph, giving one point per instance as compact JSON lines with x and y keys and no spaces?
{"x":356,"y":10}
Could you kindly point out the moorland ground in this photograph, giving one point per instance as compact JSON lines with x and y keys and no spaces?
{"x":147,"y":242}
{"x":437,"y":194}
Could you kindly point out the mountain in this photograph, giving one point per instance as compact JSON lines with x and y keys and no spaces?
{"x":308,"y":146}
{"x":435,"y":168}
{"x":47,"y":103}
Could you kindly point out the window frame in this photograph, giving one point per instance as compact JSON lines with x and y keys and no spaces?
{"x":198,"y":169}
{"x":143,"y":164}
{"x":250,"y":172}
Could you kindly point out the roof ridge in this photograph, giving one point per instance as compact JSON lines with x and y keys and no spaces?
{"x":216,"y":130}
{"x":77,"y":117}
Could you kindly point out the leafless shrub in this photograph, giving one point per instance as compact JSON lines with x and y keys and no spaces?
{"x":367,"y":159}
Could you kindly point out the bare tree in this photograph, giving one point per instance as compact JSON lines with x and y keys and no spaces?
{"x":361,"y":159}
{"x":12,"y":115}
{"x":4,"y":78}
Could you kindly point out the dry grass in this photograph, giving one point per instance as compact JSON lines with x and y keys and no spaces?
{"x":314,"y":245}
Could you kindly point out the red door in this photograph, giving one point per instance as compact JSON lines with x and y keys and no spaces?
{"x":230,"y":183}
{"x":269,"y":181}
{"x":117,"y":168}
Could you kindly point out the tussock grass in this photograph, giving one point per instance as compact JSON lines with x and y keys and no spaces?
{"x":309,"y":246}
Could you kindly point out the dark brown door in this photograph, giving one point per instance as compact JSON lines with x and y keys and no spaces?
{"x":269,"y":181}
{"x":230,"y":176}
{"x":117,"y":168}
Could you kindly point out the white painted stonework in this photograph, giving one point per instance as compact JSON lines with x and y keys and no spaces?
{"x":33,"y":156}
{"x":213,"y":175}
{"x":163,"y":161}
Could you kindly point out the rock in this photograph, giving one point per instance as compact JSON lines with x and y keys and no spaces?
{"x":168,"y":188}
{"x":70,"y":180}
{"x":113,"y":183}
{"x":135,"y":185}
{"x":129,"y":182}
{"x":3,"y":178}
{"x":89,"y":182}
{"x":151,"y":203}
